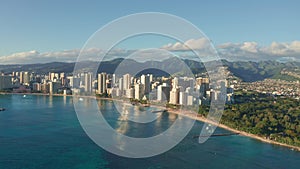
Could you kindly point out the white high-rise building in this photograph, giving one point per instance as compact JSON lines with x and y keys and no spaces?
{"x":145,"y":80}
{"x":183,"y":98}
{"x":113,"y":80}
{"x":151,"y":78}
{"x":163,"y":92}
{"x":21,"y":77}
{"x":190,"y":100}
{"x":130,"y":93}
{"x":174,"y":96}
{"x":121,"y":86}
{"x":126,"y":81}
{"x":101,"y":83}
{"x":88,"y":82}
{"x":138,"y":91}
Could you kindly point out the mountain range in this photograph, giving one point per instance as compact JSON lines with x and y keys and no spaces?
{"x":247,"y":71}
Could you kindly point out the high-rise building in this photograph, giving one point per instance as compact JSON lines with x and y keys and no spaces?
{"x":163,"y":92}
{"x":26,"y":78}
{"x":204,"y":87}
{"x":151,"y":78}
{"x":139,"y":91}
{"x":88,"y":82}
{"x":175,"y":82}
{"x":126,"y":81}
{"x":121,"y":86}
{"x":113,"y":83}
{"x":21,"y":77}
{"x":130,"y":93}
{"x":53,"y":87}
{"x":101,"y":83}
{"x":145,"y":80}
{"x":190,"y":100}
{"x":5,"y":82}
{"x":36,"y":87}
{"x":174,"y":95}
{"x":183,"y":98}
{"x":45,"y":88}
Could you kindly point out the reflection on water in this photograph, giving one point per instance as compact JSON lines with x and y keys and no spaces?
{"x":65,"y":100}
{"x":130,"y":120}
{"x":134,"y":113}
{"x":50,"y":101}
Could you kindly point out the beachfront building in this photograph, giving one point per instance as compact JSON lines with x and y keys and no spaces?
{"x":53,"y":87}
{"x":126,"y":81}
{"x":88,"y":82}
{"x":163,"y":92}
{"x":5,"y":82}
{"x":102,"y":83}
{"x":174,"y":96}
{"x":139,"y":91}
{"x":145,"y":80}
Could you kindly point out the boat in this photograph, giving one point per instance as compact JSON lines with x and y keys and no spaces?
{"x":2,"y":109}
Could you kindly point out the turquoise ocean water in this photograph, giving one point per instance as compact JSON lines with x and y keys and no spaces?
{"x":43,"y":132}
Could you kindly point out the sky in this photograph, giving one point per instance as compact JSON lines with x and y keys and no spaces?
{"x":240,"y":30}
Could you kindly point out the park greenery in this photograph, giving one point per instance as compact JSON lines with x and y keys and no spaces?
{"x":272,"y":117}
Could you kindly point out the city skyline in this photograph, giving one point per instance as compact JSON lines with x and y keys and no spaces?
{"x":149,"y":84}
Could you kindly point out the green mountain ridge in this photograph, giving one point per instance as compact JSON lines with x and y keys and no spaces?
{"x":247,"y":71}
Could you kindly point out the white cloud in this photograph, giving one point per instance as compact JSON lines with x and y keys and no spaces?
{"x":194,"y":44}
{"x":242,"y":51}
{"x":59,"y":56}
{"x":252,"y":51}
{"x":230,"y":51}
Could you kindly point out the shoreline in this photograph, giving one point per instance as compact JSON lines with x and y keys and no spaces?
{"x":183,"y":113}
{"x":242,"y":133}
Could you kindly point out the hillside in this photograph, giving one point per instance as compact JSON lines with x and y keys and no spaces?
{"x":247,"y":71}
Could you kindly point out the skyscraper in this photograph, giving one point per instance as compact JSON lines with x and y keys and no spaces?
{"x":21,"y":77}
{"x":183,"y":98}
{"x":138,"y":91}
{"x":174,"y":96}
{"x":121,"y":86}
{"x":101,"y":83}
{"x":163,"y":92}
{"x":53,"y":87}
{"x":145,"y":80}
{"x":5,"y":82}
{"x":113,"y":83}
{"x":88,"y":82}
{"x":126,"y":81}
{"x":26,"y":78}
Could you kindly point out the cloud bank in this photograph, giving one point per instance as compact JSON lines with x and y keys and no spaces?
{"x":282,"y":51}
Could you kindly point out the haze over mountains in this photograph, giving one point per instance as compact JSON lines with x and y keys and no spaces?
{"x":247,"y":71}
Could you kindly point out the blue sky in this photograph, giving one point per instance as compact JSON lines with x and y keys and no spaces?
{"x":53,"y":25}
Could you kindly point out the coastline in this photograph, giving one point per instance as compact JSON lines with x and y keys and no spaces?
{"x":182,"y":113}
{"x":242,"y":133}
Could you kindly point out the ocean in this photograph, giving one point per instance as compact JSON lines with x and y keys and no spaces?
{"x":44,"y":132}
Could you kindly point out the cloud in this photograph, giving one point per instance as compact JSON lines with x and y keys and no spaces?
{"x":255,"y":52}
{"x":194,"y":44}
{"x":60,"y":56}
{"x":281,"y":51}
